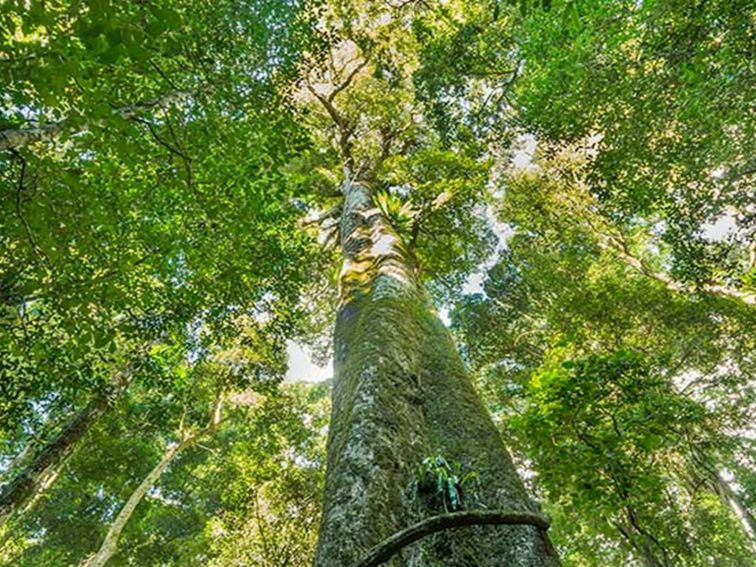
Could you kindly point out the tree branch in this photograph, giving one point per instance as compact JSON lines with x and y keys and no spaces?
{"x":344,"y":128}
{"x":331,"y":213}
{"x":350,"y":77}
{"x":619,"y":247}
{"x":390,"y":546}
{"x":17,"y":138}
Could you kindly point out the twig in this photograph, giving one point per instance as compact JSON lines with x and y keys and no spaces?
{"x":19,"y":200}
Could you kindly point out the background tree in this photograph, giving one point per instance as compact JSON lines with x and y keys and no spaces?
{"x":269,"y":441}
{"x":661,"y":88}
{"x":142,"y":206}
{"x":617,"y":384}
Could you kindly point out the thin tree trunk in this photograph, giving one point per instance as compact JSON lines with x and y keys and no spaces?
{"x":733,"y":501}
{"x":109,"y":545}
{"x":703,"y":470}
{"x":29,"y":485}
{"x":23,"y":457}
{"x":401,"y":394}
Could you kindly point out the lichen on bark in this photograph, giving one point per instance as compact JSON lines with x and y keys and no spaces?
{"x":401,"y":393}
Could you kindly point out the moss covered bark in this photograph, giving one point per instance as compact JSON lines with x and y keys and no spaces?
{"x":401,"y":394}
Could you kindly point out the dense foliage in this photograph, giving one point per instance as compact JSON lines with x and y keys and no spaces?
{"x":169,"y":174}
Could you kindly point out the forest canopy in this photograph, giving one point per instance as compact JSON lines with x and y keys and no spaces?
{"x":523,"y":233}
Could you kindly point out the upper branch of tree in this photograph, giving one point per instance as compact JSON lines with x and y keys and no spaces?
{"x":174,"y":149}
{"x":19,"y":201}
{"x":11,"y":139}
{"x":401,"y":4}
{"x":344,"y":127}
{"x":189,"y":437}
{"x":348,"y":80}
{"x":331,"y":213}
{"x":438,"y":203}
{"x":613,"y":240}
{"x":620,"y":247}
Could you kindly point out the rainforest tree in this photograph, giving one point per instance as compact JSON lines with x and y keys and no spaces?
{"x":189,"y":187}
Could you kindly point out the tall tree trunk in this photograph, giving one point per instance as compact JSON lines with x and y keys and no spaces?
{"x":401,"y":394}
{"x":29,"y":484}
{"x":703,"y":469}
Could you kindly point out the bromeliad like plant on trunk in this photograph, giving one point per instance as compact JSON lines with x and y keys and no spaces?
{"x":441,"y":484}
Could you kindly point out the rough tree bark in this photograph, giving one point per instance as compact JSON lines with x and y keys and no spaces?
{"x":401,"y":394}
{"x":29,"y":484}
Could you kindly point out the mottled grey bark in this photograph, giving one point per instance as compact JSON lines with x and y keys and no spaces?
{"x":30,"y":483}
{"x":401,"y":394}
